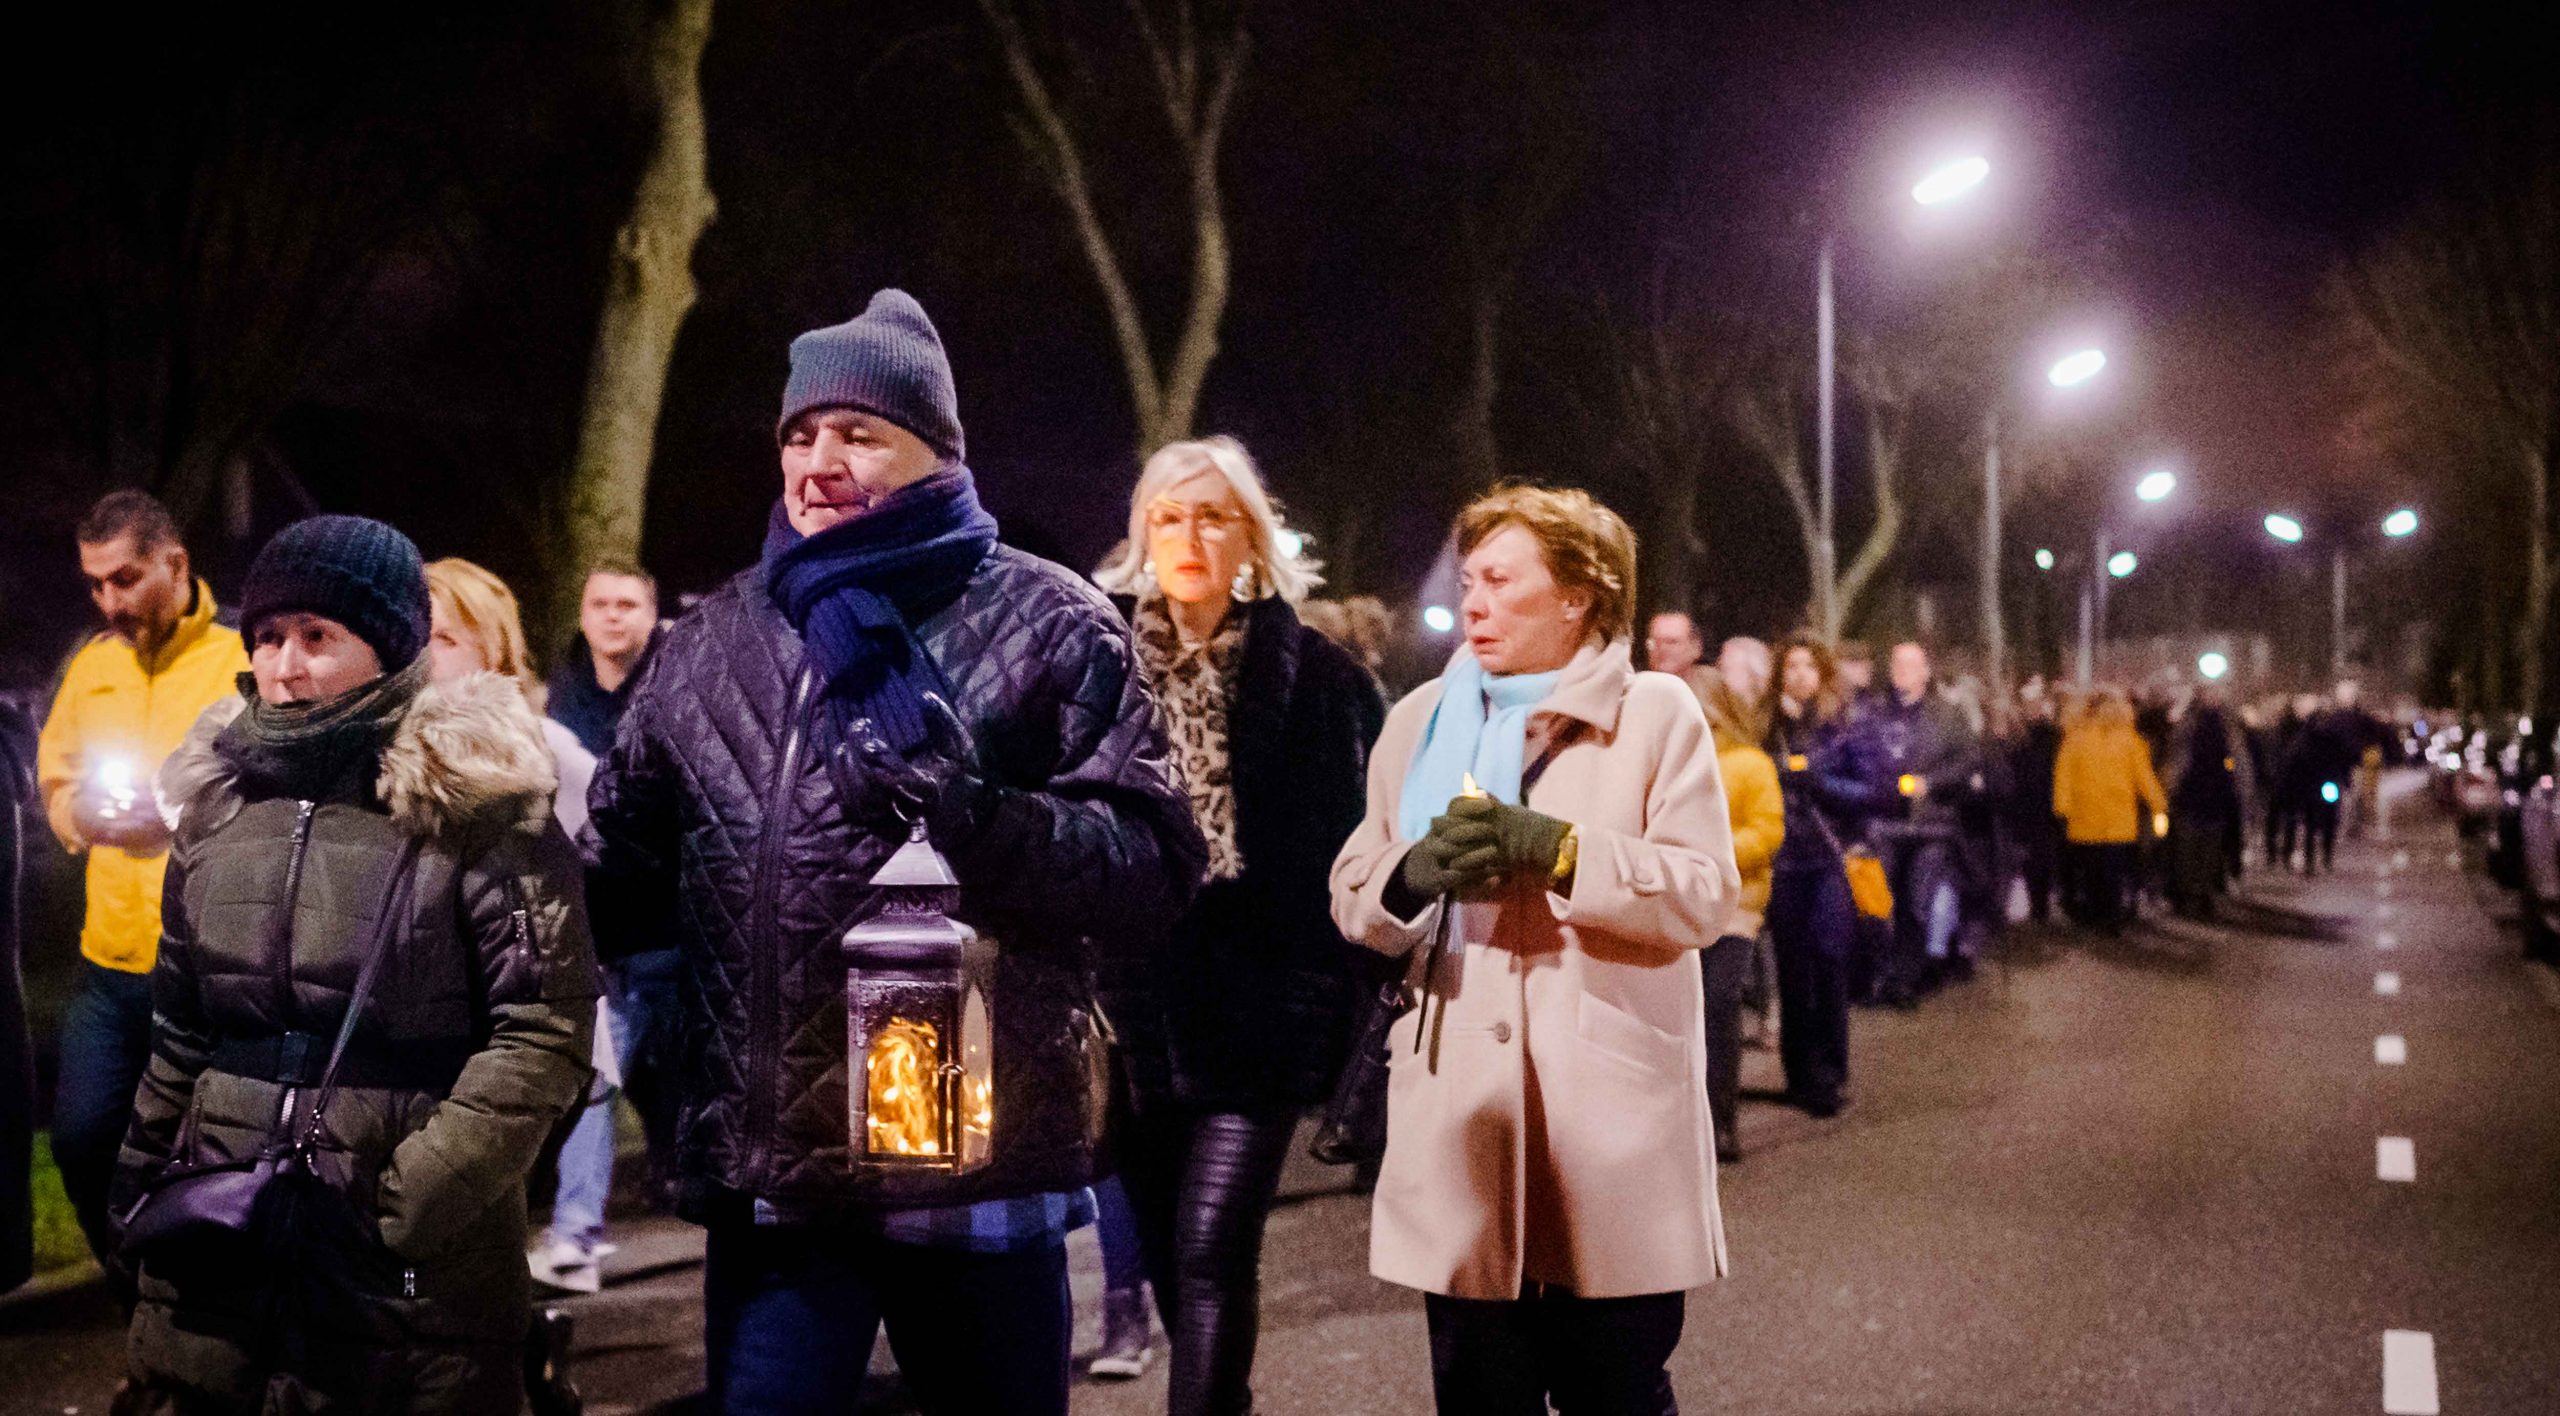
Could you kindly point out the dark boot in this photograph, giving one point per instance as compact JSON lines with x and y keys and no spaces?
{"x":547,"y":1387}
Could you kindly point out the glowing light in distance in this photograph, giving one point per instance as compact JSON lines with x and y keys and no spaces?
{"x":2403,"y":522}
{"x":1438,"y":619}
{"x":2212,"y":665}
{"x":1291,"y":543}
{"x":2329,"y":792}
{"x":1953,"y":182}
{"x":2156,"y":486}
{"x":2073,"y":370}
{"x":2044,"y":559}
{"x":2284,"y":528}
{"x":2121,"y":564}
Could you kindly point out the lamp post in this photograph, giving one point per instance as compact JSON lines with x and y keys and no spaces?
{"x":1940,"y":186}
{"x":2401,"y":524}
{"x":2106,"y":565}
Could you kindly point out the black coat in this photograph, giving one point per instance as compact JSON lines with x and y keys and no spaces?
{"x":1248,"y":1002}
{"x":719,"y":808}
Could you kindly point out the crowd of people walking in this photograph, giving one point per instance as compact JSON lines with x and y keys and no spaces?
{"x":378,"y":918}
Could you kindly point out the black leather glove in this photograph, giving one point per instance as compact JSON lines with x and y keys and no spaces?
{"x":938,"y":783}
{"x":1527,"y":842}
{"x":1455,"y":857}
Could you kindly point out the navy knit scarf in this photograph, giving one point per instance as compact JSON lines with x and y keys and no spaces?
{"x":855,"y":589}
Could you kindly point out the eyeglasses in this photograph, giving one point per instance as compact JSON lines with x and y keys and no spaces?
{"x":1210,"y":521}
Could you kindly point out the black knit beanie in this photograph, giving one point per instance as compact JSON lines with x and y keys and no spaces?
{"x":886,"y":361}
{"x":357,"y":571}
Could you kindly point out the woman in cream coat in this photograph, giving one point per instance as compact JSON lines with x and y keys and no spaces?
{"x":1550,"y":1176}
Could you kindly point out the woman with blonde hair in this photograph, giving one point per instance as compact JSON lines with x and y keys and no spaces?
{"x":477,"y":628}
{"x":1242,"y":1017}
{"x":1547,"y":841}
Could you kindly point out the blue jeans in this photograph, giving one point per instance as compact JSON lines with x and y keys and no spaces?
{"x":790,"y":1311}
{"x":641,"y":992}
{"x":106,"y":1042}
{"x":1124,"y":1266}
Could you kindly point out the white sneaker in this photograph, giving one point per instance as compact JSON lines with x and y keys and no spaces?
{"x":568,"y":1267}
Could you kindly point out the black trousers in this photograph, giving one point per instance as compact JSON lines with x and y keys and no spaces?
{"x":1812,"y":923}
{"x":1200,"y":1184}
{"x":1590,"y":1356}
{"x":1723,"y":970}
{"x":2108,"y":874}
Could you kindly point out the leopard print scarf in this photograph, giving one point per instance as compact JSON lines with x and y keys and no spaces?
{"x":1192,"y":684}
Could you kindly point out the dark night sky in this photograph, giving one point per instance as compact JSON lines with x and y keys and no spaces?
{"x":2221,"y":154}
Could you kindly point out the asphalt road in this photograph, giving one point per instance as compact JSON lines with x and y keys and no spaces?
{"x":2106,"y":1176}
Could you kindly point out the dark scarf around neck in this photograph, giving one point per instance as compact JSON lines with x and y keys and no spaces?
{"x":322,"y":750}
{"x":856,"y":590}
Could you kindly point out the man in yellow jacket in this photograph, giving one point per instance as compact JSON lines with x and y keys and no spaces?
{"x":2102,"y":782}
{"x":126,"y":700}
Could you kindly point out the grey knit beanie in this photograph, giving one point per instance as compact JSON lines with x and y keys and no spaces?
{"x":357,"y":571}
{"x":886,"y":361}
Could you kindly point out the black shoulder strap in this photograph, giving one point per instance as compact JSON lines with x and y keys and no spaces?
{"x":386,"y":926}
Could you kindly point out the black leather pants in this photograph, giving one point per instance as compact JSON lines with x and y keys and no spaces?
{"x":1200,"y":1183}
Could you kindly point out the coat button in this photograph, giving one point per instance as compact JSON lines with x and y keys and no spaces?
{"x":1502,"y":1032}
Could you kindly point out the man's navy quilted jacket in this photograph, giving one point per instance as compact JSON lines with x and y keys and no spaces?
{"x":717,"y":808}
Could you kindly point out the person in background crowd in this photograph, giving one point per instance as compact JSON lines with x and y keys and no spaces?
{"x":590,"y":689}
{"x":1985,"y":867}
{"x":2321,"y":772}
{"x":347,"y":806}
{"x":1758,"y":815}
{"x":126,"y":701}
{"x":1743,"y":663}
{"x":2103,"y":785}
{"x":886,"y":664}
{"x":1550,"y":1181}
{"x":2283,"y":790}
{"x":1242,"y":1016}
{"x":1812,"y":922}
{"x":2030,"y":801}
{"x":1672,"y":645}
{"x":2208,"y":796}
{"x":1923,"y":757}
{"x":1856,"y":664}
{"x":477,"y":628}
{"x":17,"y":1050}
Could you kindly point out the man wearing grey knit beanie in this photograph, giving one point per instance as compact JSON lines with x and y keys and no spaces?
{"x":886,"y":669}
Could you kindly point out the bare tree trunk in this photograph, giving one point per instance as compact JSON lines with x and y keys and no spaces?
{"x":1888,"y":438}
{"x":1196,"y":80}
{"x":649,"y":291}
{"x":2534,"y":627}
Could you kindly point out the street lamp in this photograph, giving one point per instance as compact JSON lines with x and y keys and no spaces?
{"x":1941,"y":186}
{"x":1438,"y":619}
{"x":2399,"y":525}
{"x":2044,"y":559}
{"x":2121,"y":564}
{"x":2154,"y":488}
{"x":2073,"y":370}
{"x":1952,"y":182}
{"x":2157,"y":485}
{"x":2213,"y":665}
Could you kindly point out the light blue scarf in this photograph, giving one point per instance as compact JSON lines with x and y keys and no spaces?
{"x":1463,"y":737}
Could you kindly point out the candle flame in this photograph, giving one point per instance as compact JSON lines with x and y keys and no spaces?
{"x":904,"y":1115}
{"x":1467,"y":785}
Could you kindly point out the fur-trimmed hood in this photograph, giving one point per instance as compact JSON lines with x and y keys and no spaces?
{"x":468,"y":754}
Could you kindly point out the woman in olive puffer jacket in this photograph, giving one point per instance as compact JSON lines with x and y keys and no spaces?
{"x":344,"y":795}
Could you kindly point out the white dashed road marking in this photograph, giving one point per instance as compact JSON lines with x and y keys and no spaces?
{"x":2400,"y":860}
{"x":2391,"y":1050}
{"x":2386,"y":940}
{"x":2395,"y":1158}
{"x":2387,"y":984}
{"x":2383,"y":889}
{"x":2385,"y":911}
{"x":2409,"y":1374}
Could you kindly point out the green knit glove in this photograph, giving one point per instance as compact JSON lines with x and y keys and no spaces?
{"x":1527,"y":842}
{"x":1456,"y":856}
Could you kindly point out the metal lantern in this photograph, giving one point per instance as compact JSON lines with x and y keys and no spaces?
{"x":919,"y":1023}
